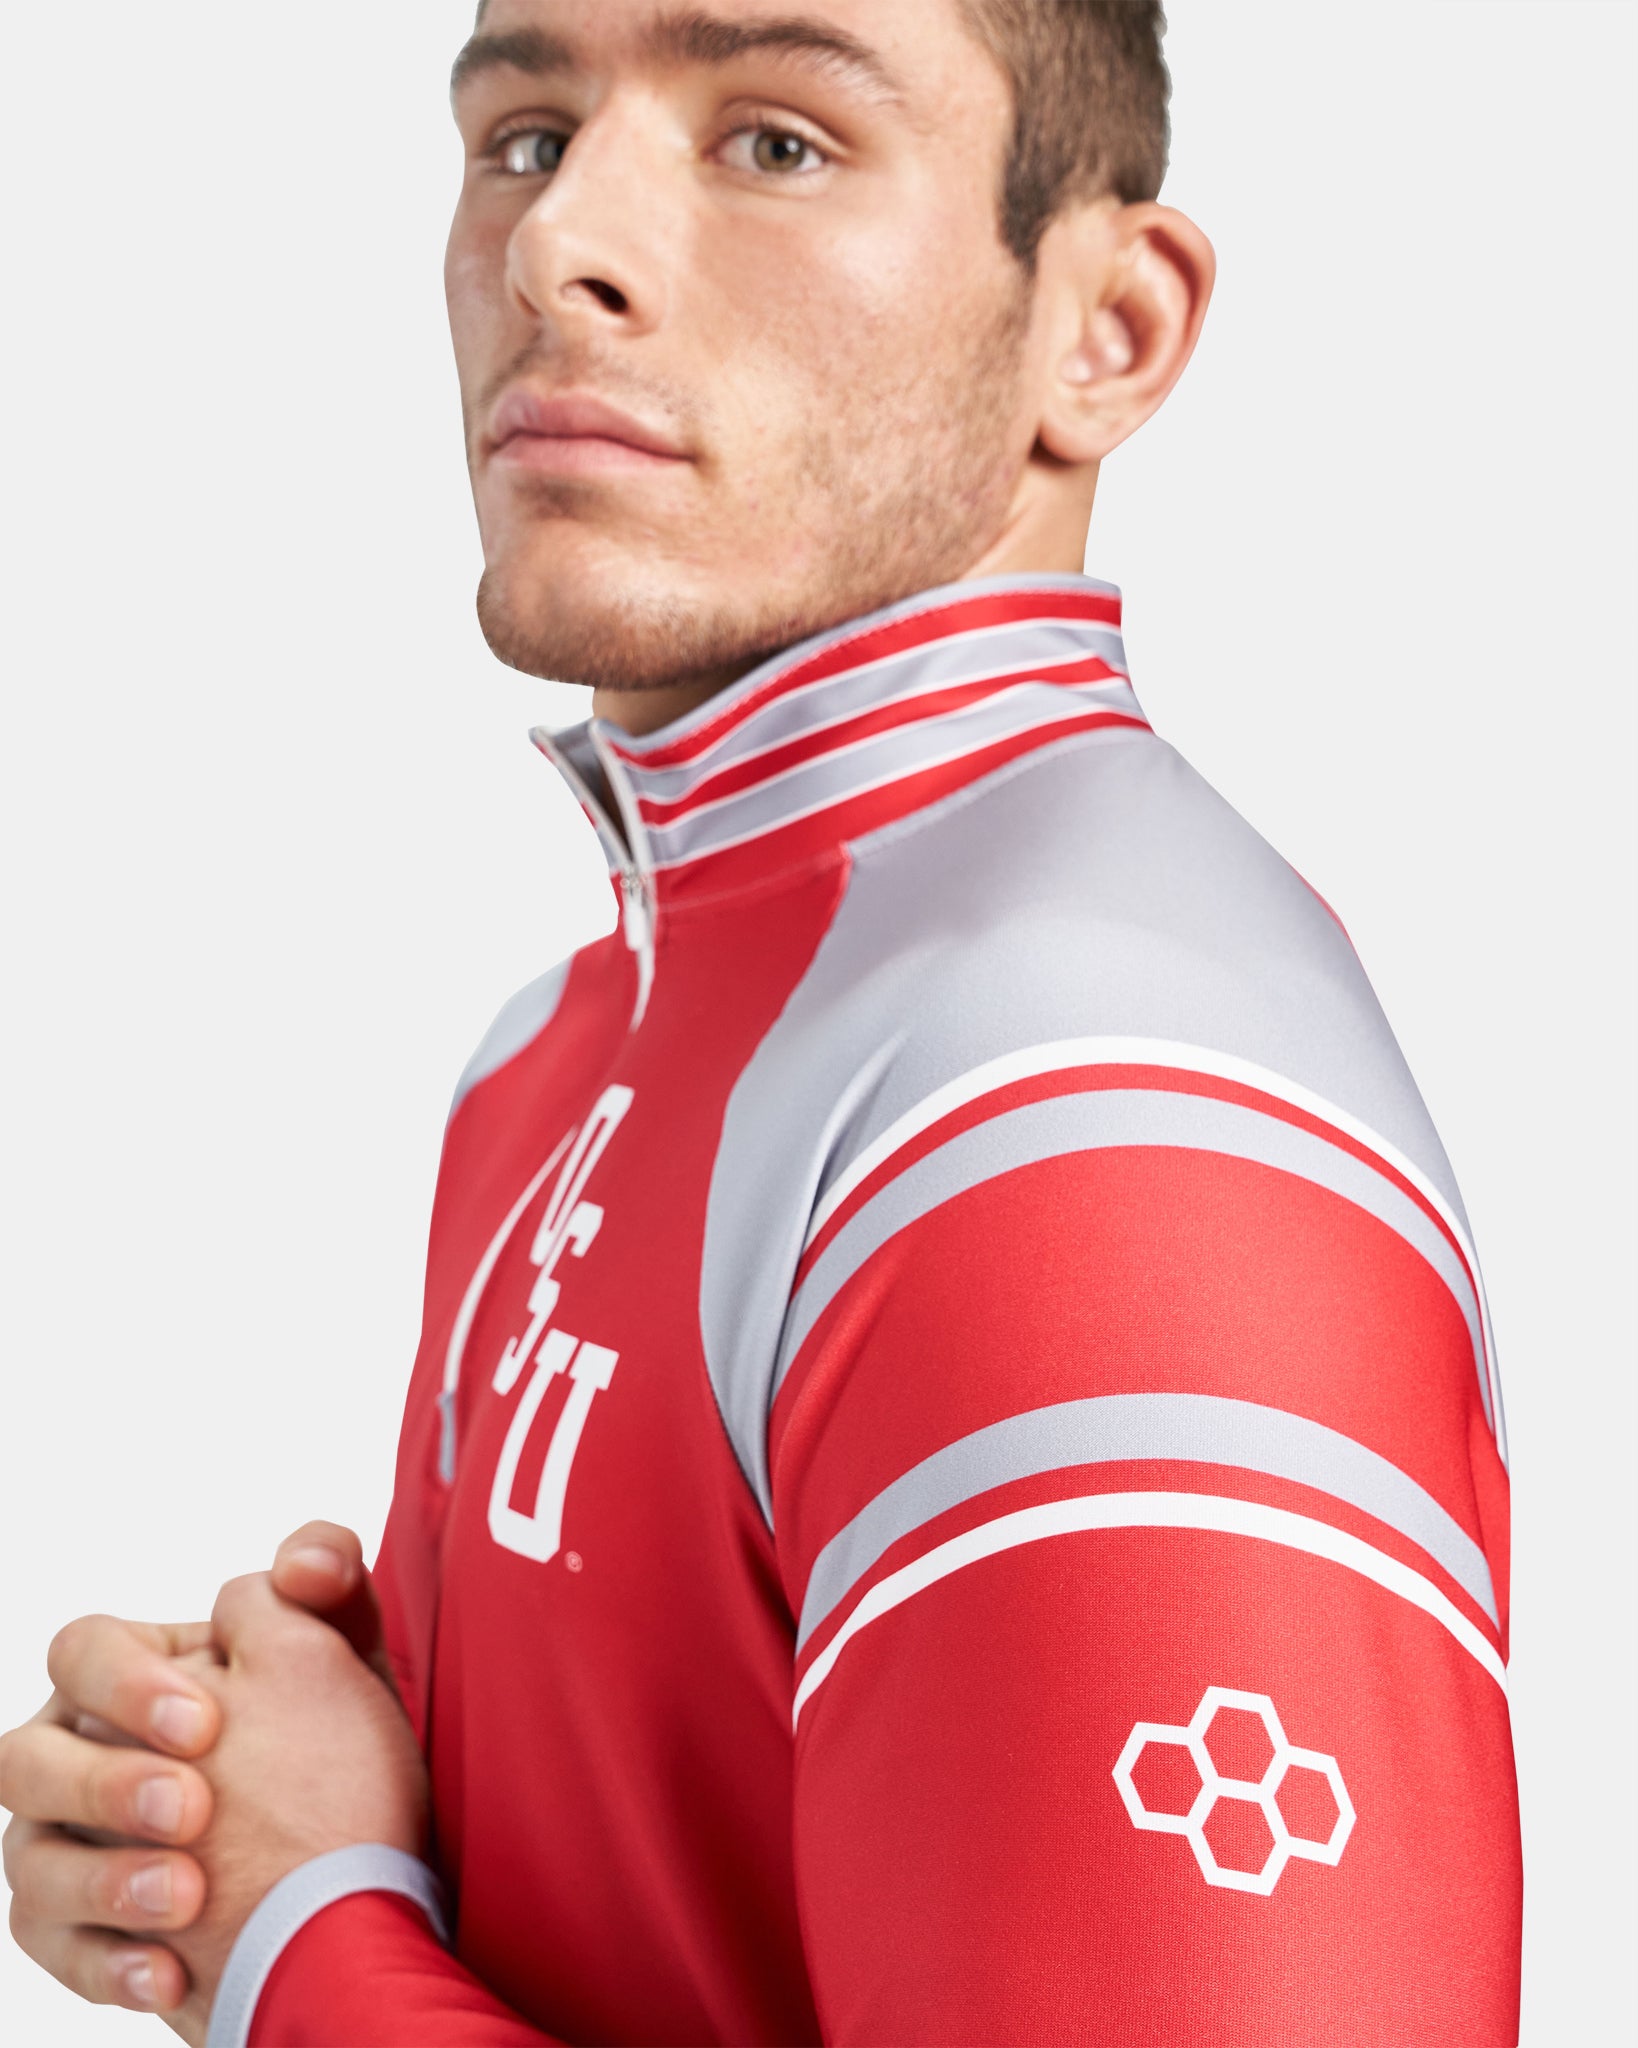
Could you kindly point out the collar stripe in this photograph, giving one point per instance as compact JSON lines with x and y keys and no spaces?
{"x":942,"y":620}
{"x":866,"y":724}
{"x":771,"y":765}
{"x":827,"y":783}
{"x":1048,"y":648}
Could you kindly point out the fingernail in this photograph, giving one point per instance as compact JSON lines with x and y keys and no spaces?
{"x":159,"y":1806}
{"x":150,"y":1889}
{"x":137,"y":1979}
{"x":177,"y":1720}
{"x":319,"y":1557}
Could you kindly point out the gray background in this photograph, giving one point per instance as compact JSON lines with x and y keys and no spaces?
{"x":276,"y":846}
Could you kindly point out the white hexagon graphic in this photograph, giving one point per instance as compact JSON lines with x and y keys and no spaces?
{"x":1213,"y":1786}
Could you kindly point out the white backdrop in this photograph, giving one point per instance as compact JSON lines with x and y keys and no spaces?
{"x":275,"y":845}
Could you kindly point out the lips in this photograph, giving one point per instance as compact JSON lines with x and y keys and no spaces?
{"x":528,"y":425}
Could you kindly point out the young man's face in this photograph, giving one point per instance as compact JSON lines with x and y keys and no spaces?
{"x":765,"y":235}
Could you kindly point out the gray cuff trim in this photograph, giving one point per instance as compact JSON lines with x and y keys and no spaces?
{"x":367,"y":1867}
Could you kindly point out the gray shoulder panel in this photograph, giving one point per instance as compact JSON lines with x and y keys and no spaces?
{"x":1097,"y":889}
{"x":522,"y":1019}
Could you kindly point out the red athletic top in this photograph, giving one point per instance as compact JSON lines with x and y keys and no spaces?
{"x":951,"y":1490}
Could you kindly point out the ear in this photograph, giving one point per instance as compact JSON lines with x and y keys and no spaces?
{"x":1124,"y":290}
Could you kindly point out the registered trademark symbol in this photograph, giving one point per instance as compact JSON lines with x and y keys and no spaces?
{"x":574,"y":1560}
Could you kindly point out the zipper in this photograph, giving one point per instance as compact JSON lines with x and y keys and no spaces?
{"x":636,"y":870}
{"x":625,"y":845}
{"x":637,"y":918}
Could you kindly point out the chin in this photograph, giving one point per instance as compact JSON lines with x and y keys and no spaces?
{"x":578,"y":599}
{"x":580,"y":607}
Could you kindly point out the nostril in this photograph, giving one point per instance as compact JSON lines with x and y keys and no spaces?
{"x":606,"y":295}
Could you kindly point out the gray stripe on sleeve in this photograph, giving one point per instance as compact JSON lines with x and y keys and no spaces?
{"x":1101,"y":1118}
{"x":1192,"y":1428}
{"x":522,"y":1018}
{"x":286,"y":1910}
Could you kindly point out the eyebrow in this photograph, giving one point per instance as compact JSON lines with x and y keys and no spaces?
{"x":691,"y":37}
{"x":522,"y":49}
{"x":696,"y":37}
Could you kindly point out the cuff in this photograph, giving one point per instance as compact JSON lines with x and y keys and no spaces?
{"x":287,"y":1908}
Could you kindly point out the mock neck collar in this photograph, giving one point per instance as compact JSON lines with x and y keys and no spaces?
{"x":851,"y":730}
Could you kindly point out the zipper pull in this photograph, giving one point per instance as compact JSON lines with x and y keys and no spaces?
{"x":638,"y":922}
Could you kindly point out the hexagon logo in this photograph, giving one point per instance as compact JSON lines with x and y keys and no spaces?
{"x":1237,"y":1849}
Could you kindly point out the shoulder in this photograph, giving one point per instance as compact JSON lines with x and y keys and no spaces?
{"x":519,"y":1022}
{"x":1103,"y":902}
{"x":1091,"y":949}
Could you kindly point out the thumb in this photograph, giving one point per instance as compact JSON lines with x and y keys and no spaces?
{"x":321,"y":1568}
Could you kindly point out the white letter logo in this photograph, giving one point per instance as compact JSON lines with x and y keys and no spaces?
{"x":569,"y":1224}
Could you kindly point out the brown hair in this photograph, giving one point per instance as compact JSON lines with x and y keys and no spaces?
{"x":1090,"y":92}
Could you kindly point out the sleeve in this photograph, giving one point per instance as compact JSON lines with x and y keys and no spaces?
{"x":1136,"y":1488}
{"x":349,"y":1948}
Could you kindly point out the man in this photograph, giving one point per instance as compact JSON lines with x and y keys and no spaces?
{"x":953,"y":1489}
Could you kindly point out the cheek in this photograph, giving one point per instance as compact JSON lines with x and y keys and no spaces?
{"x":808,"y":331}
{"x":474,"y":287}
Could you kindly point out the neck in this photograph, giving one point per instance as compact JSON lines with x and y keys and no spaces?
{"x":1045,"y":531}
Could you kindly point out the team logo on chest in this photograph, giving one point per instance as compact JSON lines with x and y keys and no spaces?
{"x":568,"y":1228}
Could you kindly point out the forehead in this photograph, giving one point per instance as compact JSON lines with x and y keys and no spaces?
{"x":922,"y":47}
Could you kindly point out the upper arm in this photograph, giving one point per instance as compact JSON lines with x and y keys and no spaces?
{"x":1135,"y":1486}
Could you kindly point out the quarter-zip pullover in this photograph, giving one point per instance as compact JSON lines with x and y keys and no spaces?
{"x":953,"y":1489}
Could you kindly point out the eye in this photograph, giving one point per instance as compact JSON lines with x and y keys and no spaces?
{"x":776,"y":152}
{"x":531,"y":152}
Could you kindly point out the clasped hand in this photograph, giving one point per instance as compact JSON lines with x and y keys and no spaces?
{"x":176,"y":1774}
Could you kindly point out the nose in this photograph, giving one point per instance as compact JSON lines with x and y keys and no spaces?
{"x":590,"y":252}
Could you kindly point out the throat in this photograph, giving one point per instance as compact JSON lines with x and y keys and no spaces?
{"x":639,"y":712}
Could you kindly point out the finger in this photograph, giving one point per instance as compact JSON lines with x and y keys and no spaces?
{"x":95,"y":1729}
{"x":106,"y":1969}
{"x":132,"y":1890}
{"x":123,"y":1672}
{"x":321,"y":1567}
{"x":254,"y":1625}
{"x":48,"y":1773}
{"x":247,"y":1608}
{"x":207,"y":1665}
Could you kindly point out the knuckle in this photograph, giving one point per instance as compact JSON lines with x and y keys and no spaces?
{"x":34,"y":1937}
{"x":95,"y":1771}
{"x":69,"y":1644}
{"x":314,"y":1646}
{"x":102,"y":1886}
{"x":15,"y":1749}
{"x":233,"y":1598}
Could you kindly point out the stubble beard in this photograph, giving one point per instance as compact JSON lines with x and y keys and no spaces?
{"x":899,"y":497}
